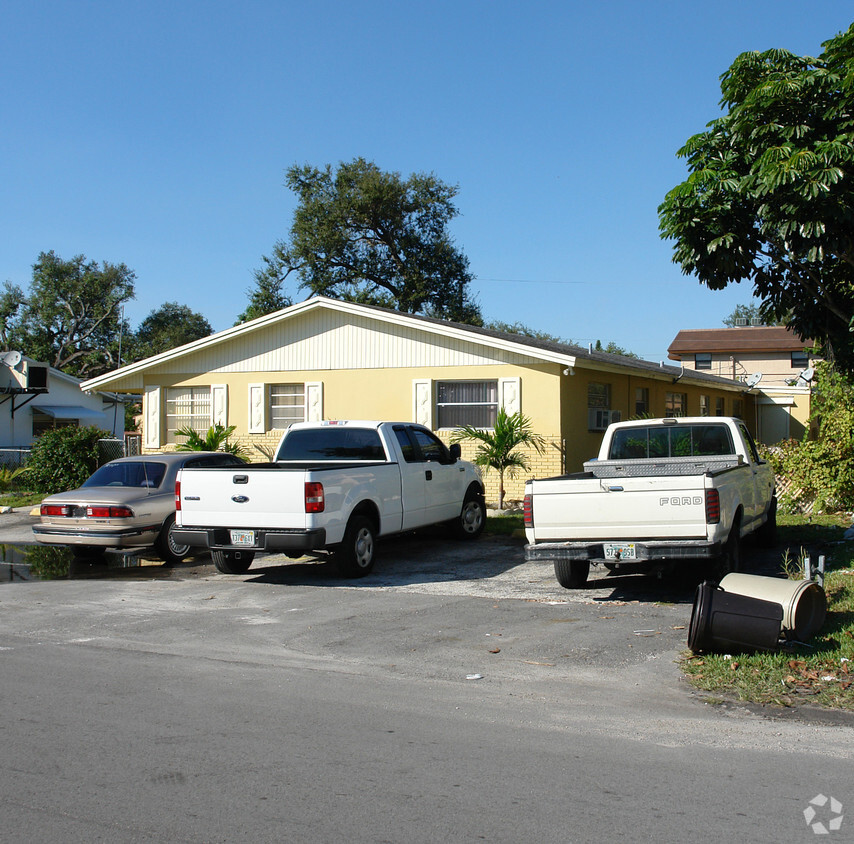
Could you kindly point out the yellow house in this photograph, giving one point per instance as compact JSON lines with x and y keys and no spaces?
{"x":327,"y":359}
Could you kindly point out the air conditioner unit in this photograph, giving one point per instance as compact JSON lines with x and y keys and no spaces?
{"x":35,"y":376}
{"x":757,"y":321}
{"x":616,"y":416}
{"x":598,"y":419}
{"x":741,"y":320}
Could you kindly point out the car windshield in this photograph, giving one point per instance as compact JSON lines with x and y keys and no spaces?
{"x":137,"y":473}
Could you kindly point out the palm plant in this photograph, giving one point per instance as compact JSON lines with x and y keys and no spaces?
{"x":500,"y":448}
{"x":216,"y":439}
{"x":7,"y":476}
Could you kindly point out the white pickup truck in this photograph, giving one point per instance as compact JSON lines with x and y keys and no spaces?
{"x":661,"y":491}
{"x":333,"y":486}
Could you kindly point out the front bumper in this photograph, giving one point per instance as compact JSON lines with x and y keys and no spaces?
{"x":646,"y":551}
{"x":266,"y":539}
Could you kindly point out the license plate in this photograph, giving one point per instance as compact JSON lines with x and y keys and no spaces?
{"x":614,"y":551}
{"x":243,"y":537}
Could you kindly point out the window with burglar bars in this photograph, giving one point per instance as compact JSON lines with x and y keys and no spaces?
{"x":287,"y":404}
{"x":187,"y":407}
{"x":472,"y":403}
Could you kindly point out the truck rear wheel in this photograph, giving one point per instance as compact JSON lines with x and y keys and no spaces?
{"x":232,"y":562}
{"x":355,"y":556}
{"x":572,"y":574}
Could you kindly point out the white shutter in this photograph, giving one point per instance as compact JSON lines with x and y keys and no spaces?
{"x":151,"y":417}
{"x":314,"y":401}
{"x":422,"y":402}
{"x":510,"y":394}
{"x":219,"y":404}
{"x":257,"y":415}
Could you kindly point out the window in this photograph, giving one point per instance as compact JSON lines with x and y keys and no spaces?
{"x":704,"y":406}
{"x":187,"y":407}
{"x":703,"y":360}
{"x":43,"y":422}
{"x":472,"y":403}
{"x":800,"y":360}
{"x":671,"y":441}
{"x":675,"y":404}
{"x":287,"y":405}
{"x":719,"y":407}
{"x":738,"y":408}
{"x":598,"y":406}
{"x":332,"y":443}
{"x":641,"y":401}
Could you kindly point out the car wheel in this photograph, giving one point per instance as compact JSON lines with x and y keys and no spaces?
{"x":232,"y":562}
{"x":170,"y":551}
{"x":355,"y":556}
{"x":767,"y":534}
{"x":572,"y":574}
{"x":730,"y":558}
{"x":470,"y":523}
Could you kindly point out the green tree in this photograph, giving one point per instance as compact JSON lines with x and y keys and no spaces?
{"x":820,"y":468}
{"x":364,"y":235}
{"x":613,"y":349}
{"x":167,"y":327}
{"x":525,"y":331}
{"x":749,"y":313}
{"x":500,"y":448}
{"x":62,"y":458}
{"x":770,"y":197}
{"x":268,"y":295}
{"x":71,"y":315}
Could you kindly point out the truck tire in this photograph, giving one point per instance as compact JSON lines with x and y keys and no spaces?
{"x":232,"y":562}
{"x":767,"y":534}
{"x":730,"y":558}
{"x":472,"y":519}
{"x":355,"y":555}
{"x":167,"y":548}
{"x":572,"y":574}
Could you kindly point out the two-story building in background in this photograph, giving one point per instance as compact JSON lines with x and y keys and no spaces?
{"x":774,"y":358}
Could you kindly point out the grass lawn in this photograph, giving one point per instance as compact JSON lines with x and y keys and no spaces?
{"x":820,"y":672}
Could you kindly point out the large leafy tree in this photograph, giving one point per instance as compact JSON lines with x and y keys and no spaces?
{"x":770,"y":193}
{"x":373,"y":237}
{"x":165,"y":328}
{"x":72,"y":314}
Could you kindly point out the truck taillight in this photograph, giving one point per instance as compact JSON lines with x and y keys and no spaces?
{"x":177,"y":496}
{"x":314,"y":500}
{"x":713,"y":507}
{"x":528,"y":510}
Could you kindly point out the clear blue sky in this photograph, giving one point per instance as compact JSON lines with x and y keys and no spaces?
{"x":158,"y":134}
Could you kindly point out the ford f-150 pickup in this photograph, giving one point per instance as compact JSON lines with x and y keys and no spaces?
{"x":332,"y":486}
{"x":661,"y":491}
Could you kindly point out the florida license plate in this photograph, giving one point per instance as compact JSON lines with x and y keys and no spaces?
{"x":620,"y":551}
{"x":243,"y":537}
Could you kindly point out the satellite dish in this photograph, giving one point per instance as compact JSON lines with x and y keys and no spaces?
{"x":754,"y":380}
{"x":807,"y":375}
{"x":11,"y":359}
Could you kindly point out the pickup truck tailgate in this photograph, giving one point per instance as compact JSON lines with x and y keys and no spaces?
{"x":627,"y":508}
{"x":242,"y":498}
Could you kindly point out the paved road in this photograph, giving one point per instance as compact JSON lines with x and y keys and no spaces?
{"x":144,"y":704}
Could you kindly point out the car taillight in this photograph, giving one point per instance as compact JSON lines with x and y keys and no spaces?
{"x":713,"y":507}
{"x":528,"y":510}
{"x":104,"y":512}
{"x":54,"y":510}
{"x":177,"y":496}
{"x":314,"y":500}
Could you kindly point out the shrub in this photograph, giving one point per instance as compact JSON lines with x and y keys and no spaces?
{"x":62,"y":458}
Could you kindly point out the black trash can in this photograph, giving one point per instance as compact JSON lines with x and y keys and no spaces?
{"x":726,"y":621}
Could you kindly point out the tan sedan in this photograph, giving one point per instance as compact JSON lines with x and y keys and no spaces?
{"x":127,"y":503}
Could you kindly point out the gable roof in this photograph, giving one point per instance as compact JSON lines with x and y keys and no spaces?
{"x":763,"y":338}
{"x":490,"y":344}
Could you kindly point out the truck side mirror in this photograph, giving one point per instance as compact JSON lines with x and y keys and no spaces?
{"x":455,"y":451}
